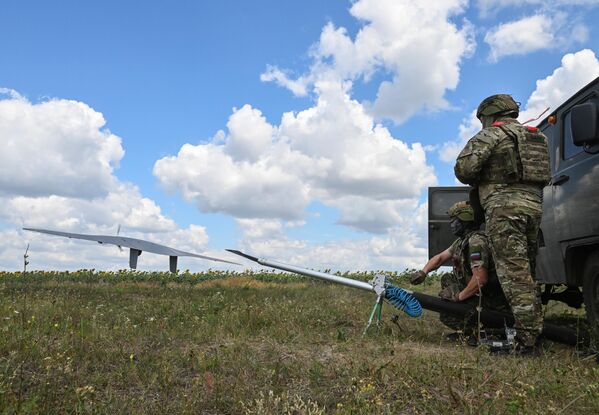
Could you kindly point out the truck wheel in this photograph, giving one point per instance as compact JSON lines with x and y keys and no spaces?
{"x":590,"y":289}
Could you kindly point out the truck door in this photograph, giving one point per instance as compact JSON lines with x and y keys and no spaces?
{"x":439,"y":200}
{"x":575,"y":188}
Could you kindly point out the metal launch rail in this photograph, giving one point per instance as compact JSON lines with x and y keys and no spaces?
{"x":412,"y":302}
{"x":400,"y":298}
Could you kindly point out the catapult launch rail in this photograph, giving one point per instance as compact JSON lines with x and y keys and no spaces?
{"x":308,"y":272}
{"x":490,"y":318}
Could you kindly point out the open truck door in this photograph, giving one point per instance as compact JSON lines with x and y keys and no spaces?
{"x":439,"y":201}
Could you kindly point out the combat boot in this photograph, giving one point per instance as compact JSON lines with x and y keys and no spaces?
{"x":524,"y":350}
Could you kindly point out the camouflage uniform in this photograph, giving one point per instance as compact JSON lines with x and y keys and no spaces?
{"x":493,"y":160}
{"x":472,"y":250}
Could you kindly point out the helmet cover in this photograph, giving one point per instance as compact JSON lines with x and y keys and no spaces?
{"x":461,"y":210}
{"x":500,"y":104}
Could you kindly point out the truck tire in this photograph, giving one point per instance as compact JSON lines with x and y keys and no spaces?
{"x":590,"y":290}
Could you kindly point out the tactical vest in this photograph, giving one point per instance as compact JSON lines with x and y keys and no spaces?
{"x":523,"y":158}
{"x":462,"y":268}
{"x":461,"y":260}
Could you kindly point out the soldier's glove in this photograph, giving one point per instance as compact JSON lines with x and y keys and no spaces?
{"x":448,"y":294}
{"x":417,"y":277}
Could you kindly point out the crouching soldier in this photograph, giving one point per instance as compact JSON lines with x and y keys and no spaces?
{"x":473,"y":279}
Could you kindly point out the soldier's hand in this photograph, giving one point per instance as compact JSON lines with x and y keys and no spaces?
{"x":448,"y":294}
{"x":417,"y":277}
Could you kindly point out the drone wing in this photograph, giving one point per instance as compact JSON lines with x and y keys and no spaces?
{"x":136,"y":247}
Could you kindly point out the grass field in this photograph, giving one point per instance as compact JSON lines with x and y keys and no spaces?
{"x":265,"y":343}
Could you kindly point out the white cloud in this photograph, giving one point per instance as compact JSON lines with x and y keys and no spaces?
{"x":249,"y":134}
{"x":334,"y":152}
{"x":520,"y":37}
{"x":209,"y":177}
{"x":399,"y":38}
{"x":56,"y":253}
{"x":533,"y":33}
{"x":375,"y":216}
{"x":330,"y":152}
{"x":124,"y":206}
{"x":56,"y":172}
{"x":299,"y":87}
{"x":258,"y":229}
{"x":400,"y":248}
{"x":576,"y":70}
{"x":140,"y":218}
{"x":55,"y":147}
{"x":468,"y":128}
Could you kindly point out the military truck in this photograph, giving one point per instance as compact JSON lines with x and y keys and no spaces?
{"x":568,"y":257}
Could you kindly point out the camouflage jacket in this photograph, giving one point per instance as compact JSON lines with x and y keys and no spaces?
{"x":470,"y":251}
{"x":474,"y":162}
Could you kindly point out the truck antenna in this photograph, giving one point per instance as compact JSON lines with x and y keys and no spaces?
{"x":534,"y":119}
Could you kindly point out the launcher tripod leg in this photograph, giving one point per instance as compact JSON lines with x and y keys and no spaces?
{"x":377,"y":311}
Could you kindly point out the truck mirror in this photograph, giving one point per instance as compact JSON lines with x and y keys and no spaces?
{"x":585,"y":124}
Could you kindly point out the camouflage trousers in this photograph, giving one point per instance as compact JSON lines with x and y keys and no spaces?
{"x":513,"y":231}
{"x":467,"y":324}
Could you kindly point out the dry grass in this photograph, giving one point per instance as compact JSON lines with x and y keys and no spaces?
{"x":258,"y":347}
{"x":244,"y":283}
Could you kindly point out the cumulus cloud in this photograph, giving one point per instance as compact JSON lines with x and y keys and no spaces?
{"x":140,"y":218}
{"x":261,"y":228}
{"x":57,"y":172}
{"x":332,"y":152}
{"x":400,"y":38}
{"x":402,"y":247}
{"x":533,"y":33}
{"x":468,"y":128}
{"x":50,"y":252}
{"x":124,"y":206}
{"x":55,"y":147}
{"x":209,"y":177}
{"x":249,"y":134}
{"x":266,"y":173}
{"x":365,"y":213}
{"x":576,"y":70}
{"x":299,"y":87}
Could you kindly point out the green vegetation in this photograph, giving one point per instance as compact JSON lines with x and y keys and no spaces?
{"x":256,"y":343}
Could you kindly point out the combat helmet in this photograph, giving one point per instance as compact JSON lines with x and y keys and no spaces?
{"x":461,"y":210}
{"x":500,"y":104}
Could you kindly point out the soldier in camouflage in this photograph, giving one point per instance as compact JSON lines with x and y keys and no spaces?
{"x":473,"y":277}
{"x":509,"y":165}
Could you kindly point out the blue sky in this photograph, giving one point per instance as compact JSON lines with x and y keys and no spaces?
{"x":209,"y":125}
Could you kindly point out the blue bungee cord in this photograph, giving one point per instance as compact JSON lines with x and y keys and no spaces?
{"x":403,"y":300}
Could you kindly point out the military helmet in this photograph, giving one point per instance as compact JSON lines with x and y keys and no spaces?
{"x":461,"y":210}
{"x":500,"y":104}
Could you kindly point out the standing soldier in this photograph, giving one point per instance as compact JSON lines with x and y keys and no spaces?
{"x":509,"y":165}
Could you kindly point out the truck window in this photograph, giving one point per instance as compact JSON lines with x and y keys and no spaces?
{"x":569,"y":150}
{"x":441,"y":201}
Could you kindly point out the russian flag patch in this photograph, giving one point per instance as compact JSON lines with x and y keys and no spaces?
{"x":475,"y":256}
